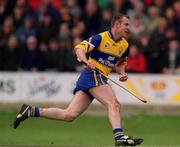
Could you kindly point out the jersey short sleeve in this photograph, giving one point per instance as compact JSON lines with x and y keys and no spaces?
{"x":126,"y":53}
{"x":90,"y":44}
{"x":124,"y":56}
{"x":123,"y":59}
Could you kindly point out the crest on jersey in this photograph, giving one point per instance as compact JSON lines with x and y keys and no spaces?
{"x":107,"y":45}
{"x":120,"y":50}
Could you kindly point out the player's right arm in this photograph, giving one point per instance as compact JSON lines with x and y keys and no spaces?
{"x":81,"y":55}
{"x":85,"y":47}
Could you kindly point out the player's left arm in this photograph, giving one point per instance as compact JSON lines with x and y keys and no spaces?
{"x":121,"y":66}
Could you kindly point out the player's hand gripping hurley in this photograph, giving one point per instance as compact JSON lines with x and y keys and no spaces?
{"x":96,"y":69}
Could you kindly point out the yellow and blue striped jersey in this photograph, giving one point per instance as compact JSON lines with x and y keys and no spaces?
{"x":103,"y":51}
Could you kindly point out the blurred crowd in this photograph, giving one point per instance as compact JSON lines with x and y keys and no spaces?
{"x":39,"y":35}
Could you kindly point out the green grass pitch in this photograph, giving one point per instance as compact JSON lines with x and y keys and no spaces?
{"x":88,"y":131}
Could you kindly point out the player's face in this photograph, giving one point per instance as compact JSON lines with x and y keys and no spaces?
{"x":123,"y":27}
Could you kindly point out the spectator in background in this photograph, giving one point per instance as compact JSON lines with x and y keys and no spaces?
{"x":82,"y":27}
{"x":18,"y":15}
{"x":153,"y":20}
{"x":26,"y":30}
{"x":170,"y":34}
{"x":103,"y":4}
{"x":52,"y":8}
{"x":144,"y":43}
{"x":64,"y":35}
{"x":106,"y":20}
{"x":6,"y":8}
{"x":117,"y":6}
{"x":136,"y":62}
{"x":171,"y":58}
{"x":74,"y":9}
{"x":137,"y":27}
{"x":65,"y":16}
{"x":34,"y":4}
{"x":157,"y":47}
{"x":65,"y":40}
{"x":47,"y":29}
{"x":176,"y":7}
{"x":171,"y":19}
{"x":11,"y":55}
{"x":56,"y":4}
{"x":32,"y":58}
{"x":91,"y":18}
{"x":43,"y":46}
{"x":132,"y":4}
{"x":148,"y":3}
{"x":40,"y":13}
{"x":53,"y":56}
{"x":138,"y":12}
{"x":162,"y":5}
{"x":1,"y":58}
{"x":24,"y":5}
{"x":3,"y":10}
{"x":6,"y":30}
{"x":78,"y":30}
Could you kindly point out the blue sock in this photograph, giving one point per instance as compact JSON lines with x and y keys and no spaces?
{"x":118,"y":133}
{"x":36,"y":112}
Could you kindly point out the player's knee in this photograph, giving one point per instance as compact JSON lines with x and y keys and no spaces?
{"x":115,"y":105}
{"x":119,"y":105}
{"x":70,"y":116}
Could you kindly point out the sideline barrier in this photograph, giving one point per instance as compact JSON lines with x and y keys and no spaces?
{"x":58,"y":87}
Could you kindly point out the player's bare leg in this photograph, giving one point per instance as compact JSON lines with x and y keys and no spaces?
{"x":79,"y":104}
{"x":106,"y":96}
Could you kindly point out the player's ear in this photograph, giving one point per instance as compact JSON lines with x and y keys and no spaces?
{"x":118,"y":24}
